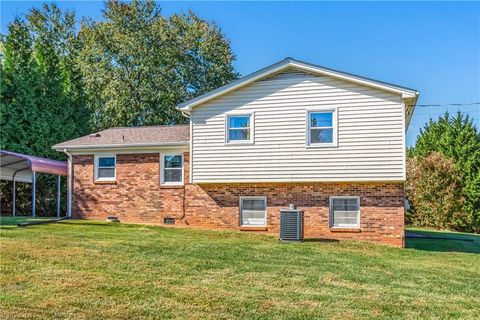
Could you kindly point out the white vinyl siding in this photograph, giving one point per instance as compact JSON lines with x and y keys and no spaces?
{"x":370,"y":137}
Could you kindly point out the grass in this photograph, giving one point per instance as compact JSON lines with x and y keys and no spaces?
{"x":444,"y":241}
{"x":12,"y":222}
{"x":95,"y":270}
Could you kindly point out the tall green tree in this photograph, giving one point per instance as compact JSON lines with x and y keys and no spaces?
{"x":138,"y":65}
{"x":42,"y":96}
{"x":457,"y":138}
{"x":20,"y":89}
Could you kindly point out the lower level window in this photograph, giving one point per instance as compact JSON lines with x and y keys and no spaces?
{"x":345,"y":212}
{"x":253,"y":211}
{"x":172,"y":169}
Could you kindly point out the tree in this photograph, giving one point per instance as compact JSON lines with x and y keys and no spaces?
{"x":19,"y":98}
{"x":42,"y":96}
{"x":138,"y":65}
{"x":458,"y":139}
{"x":434,"y":188}
{"x":20,"y":89}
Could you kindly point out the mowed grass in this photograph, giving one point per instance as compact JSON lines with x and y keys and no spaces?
{"x":12,"y":222}
{"x":95,"y":270}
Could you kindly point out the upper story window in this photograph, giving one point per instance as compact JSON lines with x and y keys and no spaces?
{"x":345,"y":212}
{"x":172,"y":169}
{"x":239,"y":128}
{"x":105,"y":167}
{"x":322,"y":128}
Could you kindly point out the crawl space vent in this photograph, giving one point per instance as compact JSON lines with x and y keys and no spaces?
{"x":168,"y":220}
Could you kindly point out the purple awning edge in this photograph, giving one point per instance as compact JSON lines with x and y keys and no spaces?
{"x":42,"y":165}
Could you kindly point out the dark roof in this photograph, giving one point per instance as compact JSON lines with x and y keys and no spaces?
{"x":131,"y":137}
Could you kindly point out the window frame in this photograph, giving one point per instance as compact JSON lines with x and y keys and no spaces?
{"x":96,"y":165}
{"x":251,"y":116}
{"x":163,"y":168}
{"x":240,"y":215}
{"x":332,"y":226}
{"x":334,"y":112}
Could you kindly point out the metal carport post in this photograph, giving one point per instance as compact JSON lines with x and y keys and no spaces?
{"x":14,"y":193}
{"x":59,"y":181}
{"x":34,"y":183}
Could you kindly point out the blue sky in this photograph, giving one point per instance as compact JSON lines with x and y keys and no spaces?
{"x":433,"y":47}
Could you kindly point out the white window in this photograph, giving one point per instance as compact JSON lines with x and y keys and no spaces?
{"x":322,"y":128}
{"x":253,"y":211}
{"x":239,"y":128}
{"x":345,"y":212}
{"x":105,"y":167}
{"x":172,"y":169}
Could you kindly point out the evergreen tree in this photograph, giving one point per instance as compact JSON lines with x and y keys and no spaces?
{"x":42,"y":96}
{"x":457,"y":138}
{"x":20,"y":89}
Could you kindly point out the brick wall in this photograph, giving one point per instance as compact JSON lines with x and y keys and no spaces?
{"x":137,"y":197}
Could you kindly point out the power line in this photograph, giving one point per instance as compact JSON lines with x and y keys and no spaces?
{"x":447,"y":104}
{"x":442,"y":113}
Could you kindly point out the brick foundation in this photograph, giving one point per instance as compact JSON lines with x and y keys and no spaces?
{"x":137,"y":197}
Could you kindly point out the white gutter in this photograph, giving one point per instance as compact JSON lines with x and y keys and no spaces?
{"x":69,"y":183}
{"x":122,"y":145}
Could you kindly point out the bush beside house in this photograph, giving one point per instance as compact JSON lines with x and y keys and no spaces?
{"x":443,"y":175}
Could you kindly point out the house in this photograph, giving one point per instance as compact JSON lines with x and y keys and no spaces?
{"x":329,"y":142}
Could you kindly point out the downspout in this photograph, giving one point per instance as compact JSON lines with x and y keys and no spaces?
{"x":189,"y":166}
{"x":69,"y":183}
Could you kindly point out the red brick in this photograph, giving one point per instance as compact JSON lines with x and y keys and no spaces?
{"x":137,"y":197}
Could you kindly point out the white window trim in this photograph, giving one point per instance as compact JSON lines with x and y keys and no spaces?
{"x":252,"y":127}
{"x":357,"y":226}
{"x":162,"y":169}
{"x":96,"y":166}
{"x":241,"y":211}
{"x":334,"y":143}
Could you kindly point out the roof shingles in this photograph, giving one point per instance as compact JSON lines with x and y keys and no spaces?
{"x":131,"y":136}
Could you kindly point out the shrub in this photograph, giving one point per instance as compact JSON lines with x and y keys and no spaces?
{"x":434,"y":188}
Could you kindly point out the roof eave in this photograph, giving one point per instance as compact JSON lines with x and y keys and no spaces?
{"x":120,"y":146}
{"x":412,"y":107}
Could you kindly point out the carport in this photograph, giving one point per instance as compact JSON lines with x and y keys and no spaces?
{"x":17,"y":167}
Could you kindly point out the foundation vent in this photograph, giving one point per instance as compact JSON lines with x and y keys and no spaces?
{"x":168,"y":221}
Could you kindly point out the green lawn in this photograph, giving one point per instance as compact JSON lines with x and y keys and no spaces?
{"x":12,"y":222}
{"x":93,"y":270}
{"x":444,"y":241}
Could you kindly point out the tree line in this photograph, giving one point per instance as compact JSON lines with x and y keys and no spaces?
{"x":63,"y":77}
{"x":443,"y":175}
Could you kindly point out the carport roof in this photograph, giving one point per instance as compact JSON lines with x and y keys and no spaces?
{"x":24,"y":165}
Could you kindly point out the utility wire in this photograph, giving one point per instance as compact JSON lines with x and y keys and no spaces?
{"x":448,"y":104}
